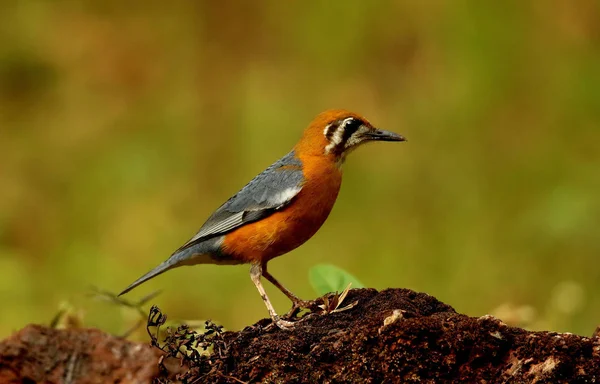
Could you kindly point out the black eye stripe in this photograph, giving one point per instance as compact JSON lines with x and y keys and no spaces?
{"x":339,"y":132}
{"x":331,"y":128}
{"x":350,"y":127}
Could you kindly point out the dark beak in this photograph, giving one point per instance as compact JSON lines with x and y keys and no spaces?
{"x":383,"y":136}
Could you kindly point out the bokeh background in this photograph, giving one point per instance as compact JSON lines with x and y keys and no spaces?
{"x":123,"y":125}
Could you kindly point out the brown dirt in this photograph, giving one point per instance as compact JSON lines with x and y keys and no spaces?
{"x":393,"y":336}
{"x":38,"y":354}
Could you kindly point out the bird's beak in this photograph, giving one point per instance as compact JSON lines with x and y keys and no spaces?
{"x":381,"y":135}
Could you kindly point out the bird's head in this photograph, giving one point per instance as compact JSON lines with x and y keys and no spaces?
{"x":337,"y":132}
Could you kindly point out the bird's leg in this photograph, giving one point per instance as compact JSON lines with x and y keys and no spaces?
{"x":256,"y":271}
{"x":296,"y":301}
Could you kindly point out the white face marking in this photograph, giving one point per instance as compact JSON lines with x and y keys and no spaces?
{"x":337,"y":135}
{"x":284,"y":196}
{"x":355,"y":138}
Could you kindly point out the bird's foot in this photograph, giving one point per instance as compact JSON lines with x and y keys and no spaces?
{"x":284,"y":324}
{"x":281,"y":324}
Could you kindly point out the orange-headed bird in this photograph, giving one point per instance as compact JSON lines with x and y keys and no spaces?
{"x":282,"y":207}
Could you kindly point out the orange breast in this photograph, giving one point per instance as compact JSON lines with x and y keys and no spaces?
{"x":290,"y":227}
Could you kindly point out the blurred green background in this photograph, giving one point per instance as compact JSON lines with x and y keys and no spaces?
{"x":123,"y":125}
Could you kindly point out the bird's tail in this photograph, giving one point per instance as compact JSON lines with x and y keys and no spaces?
{"x":163,"y":267}
{"x":200,"y":253}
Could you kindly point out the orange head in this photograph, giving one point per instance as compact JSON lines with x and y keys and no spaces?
{"x":336,"y":132}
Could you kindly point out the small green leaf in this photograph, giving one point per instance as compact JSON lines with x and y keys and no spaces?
{"x":326,"y":278}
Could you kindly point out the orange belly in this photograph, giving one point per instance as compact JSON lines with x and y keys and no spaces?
{"x":290,"y":227}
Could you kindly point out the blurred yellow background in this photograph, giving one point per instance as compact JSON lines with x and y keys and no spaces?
{"x":123,"y":125}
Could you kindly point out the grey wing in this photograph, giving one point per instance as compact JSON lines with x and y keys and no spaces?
{"x":271,"y":190}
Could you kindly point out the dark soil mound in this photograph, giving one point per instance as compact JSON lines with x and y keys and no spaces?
{"x":393,"y":336}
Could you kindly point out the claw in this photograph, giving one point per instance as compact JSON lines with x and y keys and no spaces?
{"x":284,"y":324}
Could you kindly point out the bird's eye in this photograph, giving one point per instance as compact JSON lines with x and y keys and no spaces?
{"x":340,"y":133}
{"x":350,"y":126}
